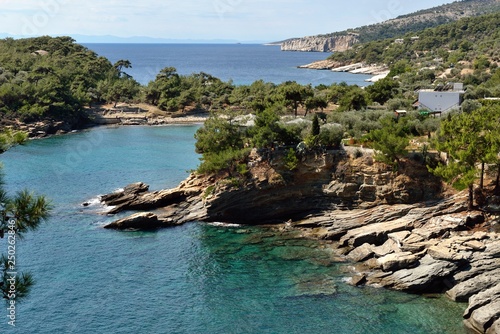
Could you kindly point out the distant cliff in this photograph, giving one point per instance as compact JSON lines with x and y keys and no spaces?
{"x":392,"y":28}
{"x":320,"y":43}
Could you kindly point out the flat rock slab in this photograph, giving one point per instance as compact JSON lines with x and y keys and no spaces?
{"x":375,"y":234}
{"x":464,"y":290}
{"x":483,"y":318}
{"x":427,"y":275}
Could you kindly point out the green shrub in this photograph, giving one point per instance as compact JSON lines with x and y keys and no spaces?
{"x":291,"y":160}
{"x":214,"y":162}
{"x":331,"y":136}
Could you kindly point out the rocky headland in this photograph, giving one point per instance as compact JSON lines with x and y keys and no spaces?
{"x":401,"y":230}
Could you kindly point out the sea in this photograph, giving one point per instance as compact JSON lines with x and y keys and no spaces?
{"x":195,"y":278}
{"x":240,"y":63}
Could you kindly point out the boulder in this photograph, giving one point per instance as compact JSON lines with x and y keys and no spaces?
{"x":397,"y":261}
{"x":483,"y":318}
{"x":361,"y":253}
{"x":375,"y":234}
{"x":399,"y":237}
{"x":390,"y":246}
{"x":358,"y":280}
{"x":484,"y":311}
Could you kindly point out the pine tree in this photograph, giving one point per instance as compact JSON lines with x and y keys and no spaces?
{"x":469,"y":139}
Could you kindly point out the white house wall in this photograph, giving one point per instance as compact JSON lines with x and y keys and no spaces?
{"x":439,"y":101}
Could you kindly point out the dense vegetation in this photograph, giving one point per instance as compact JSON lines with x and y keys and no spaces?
{"x":54,"y":78}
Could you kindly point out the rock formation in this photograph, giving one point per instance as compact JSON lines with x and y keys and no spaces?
{"x":401,"y":228}
{"x":320,"y":43}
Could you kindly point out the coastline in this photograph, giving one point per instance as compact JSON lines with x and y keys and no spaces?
{"x":378,"y":71}
{"x":110,"y":116}
{"x":430,"y":244}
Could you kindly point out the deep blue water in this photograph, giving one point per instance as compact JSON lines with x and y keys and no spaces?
{"x":241,"y":63}
{"x":196,"y":278}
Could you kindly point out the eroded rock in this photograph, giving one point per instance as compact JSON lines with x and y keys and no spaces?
{"x":137,"y":221}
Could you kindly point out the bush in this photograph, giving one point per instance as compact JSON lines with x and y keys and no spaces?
{"x":214,"y":162}
{"x":331,"y":136}
{"x":291,"y":160}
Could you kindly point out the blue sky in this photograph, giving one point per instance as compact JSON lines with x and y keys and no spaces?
{"x":241,"y":20}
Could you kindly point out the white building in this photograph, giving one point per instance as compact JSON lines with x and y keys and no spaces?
{"x":442,"y":99}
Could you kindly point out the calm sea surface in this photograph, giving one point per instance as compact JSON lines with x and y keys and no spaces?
{"x":196,"y":278}
{"x":241,"y":63}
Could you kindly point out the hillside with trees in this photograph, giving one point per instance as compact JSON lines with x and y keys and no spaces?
{"x":49,"y":78}
{"x":465,"y":51}
{"x":412,"y":22}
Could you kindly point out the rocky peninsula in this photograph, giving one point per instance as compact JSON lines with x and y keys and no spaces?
{"x":401,"y":230}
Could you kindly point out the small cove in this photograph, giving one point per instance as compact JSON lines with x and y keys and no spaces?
{"x":189,"y":279}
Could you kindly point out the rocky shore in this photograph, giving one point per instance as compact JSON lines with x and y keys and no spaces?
{"x":378,"y":71}
{"x":123,"y":115}
{"x":401,"y":230}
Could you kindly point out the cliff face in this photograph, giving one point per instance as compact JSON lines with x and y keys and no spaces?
{"x":320,"y":44}
{"x":270,"y":193}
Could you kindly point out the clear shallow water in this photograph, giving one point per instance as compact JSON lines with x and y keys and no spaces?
{"x":242,"y":63}
{"x":195,"y":278}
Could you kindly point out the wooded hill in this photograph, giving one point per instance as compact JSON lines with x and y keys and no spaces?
{"x":54,"y":78}
{"x":422,"y":19}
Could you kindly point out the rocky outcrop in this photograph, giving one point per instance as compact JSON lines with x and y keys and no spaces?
{"x":140,"y":221}
{"x":320,"y":43}
{"x":438,"y":247}
{"x":272,"y":194}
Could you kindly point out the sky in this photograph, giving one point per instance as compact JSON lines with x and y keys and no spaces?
{"x":237,"y":20}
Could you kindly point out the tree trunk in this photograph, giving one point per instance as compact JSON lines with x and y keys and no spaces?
{"x":481,"y":181}
{"x":470,"y":205}
{"x":497,"y":181}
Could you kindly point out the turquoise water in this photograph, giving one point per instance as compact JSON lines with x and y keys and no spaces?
{"x":196,"y":278}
